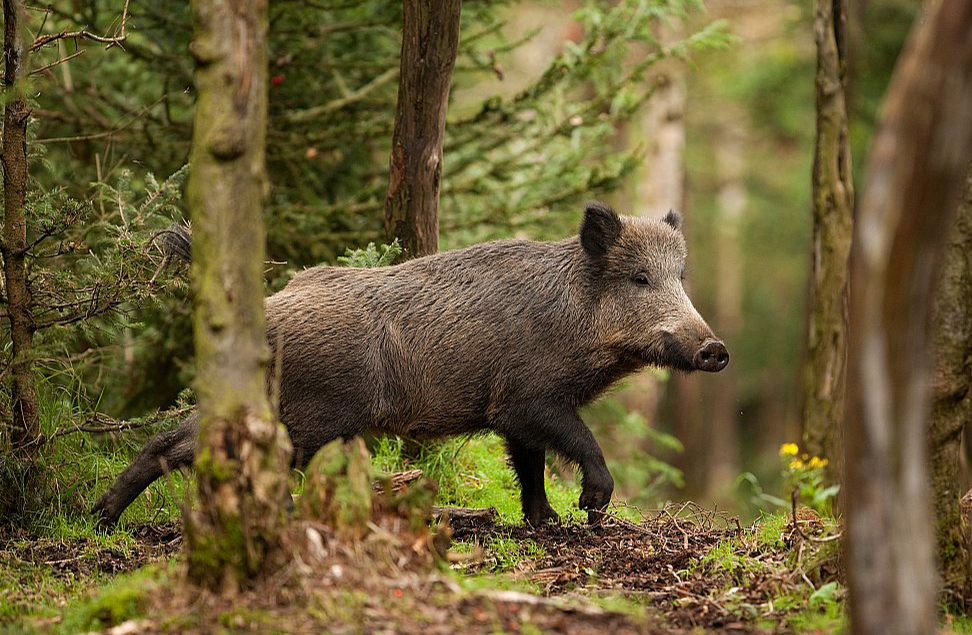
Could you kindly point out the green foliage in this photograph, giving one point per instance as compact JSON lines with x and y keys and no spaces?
{"x":78,"y":466}
{"x":122,"y":599}
{"x":823,"y":610}
{"x":473,"y":471}
{"x":804,"y":592}
{"x":371,"y":256}
{"x":334,"y":85}
{"x":727,"y":559}
{"x":509,"y":554}
{"x":807,"y":476}
{"x":632,"y":446}
{"x":89,"y":265}
{"x":802,"y":475}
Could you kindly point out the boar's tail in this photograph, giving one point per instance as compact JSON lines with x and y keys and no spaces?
{"x":175,"y":242}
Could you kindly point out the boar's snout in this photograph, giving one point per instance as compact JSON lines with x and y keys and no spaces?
{"x":712,"y":357}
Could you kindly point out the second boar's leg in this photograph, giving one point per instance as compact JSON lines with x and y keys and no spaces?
{"x":561,"y":429}
{"x":529,"y":463}
{"x":171,"y":449}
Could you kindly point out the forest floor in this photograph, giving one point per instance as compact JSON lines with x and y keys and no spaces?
{"x":679,"y":570}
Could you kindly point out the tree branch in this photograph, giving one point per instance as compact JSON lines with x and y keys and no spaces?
{"x":82,"y":34}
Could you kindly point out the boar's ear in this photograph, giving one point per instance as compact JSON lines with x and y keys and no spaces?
{"x":600,"y":229}
{"x":674,"y":219}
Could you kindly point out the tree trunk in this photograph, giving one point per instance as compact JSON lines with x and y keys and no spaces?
{"x":430,"y":43}
{"x":25,"y":431}
{"x":833,"y":226}
{"x":241,"y":460}
{"x":656,"y":187}
{"x":722,"y":424}
{"x":915,"y":171}
{"x":952,"y":405}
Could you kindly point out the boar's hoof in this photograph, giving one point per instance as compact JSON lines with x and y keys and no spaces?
{"x":595,"y":499}
{"x":712,"y":357}
{"x":104,"y":517}
{"x":542,"y":516}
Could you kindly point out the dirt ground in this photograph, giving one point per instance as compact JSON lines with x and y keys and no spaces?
{"x":656,"y":563}
{"x":389,"y":583}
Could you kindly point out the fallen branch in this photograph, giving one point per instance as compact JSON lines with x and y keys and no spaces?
{"x":101,"y":423}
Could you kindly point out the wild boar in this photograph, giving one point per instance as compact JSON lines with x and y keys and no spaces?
{"x":511,"y":336}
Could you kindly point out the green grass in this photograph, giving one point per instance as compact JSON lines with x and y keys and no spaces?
{"x":122,"y":599}
{"x":960,"y":624}
{"x":509,"y":553}
{"x":473,"y":471}
{"x":74,"y":468}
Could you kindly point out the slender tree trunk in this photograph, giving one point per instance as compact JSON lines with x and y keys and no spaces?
{"x":918,"y":160}
{"x":723,"y":422}
{"x":952,"y":405}
{"x":833,"y":226}
{"x":241,"y":460}
{"x":430,"y":43}
{"x":657,"y":187}
{"x":25,"y":431}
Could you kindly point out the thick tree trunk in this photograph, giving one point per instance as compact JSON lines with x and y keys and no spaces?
{"x":430,"y":43}
{"x":25,"y":430}
{"x":833,"y":226}
{"x":242,"y":456}
{"x":952,"y":405}
{"x":915,"y":171}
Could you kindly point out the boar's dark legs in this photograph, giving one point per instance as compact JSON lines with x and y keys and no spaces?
{"x":565,"y":432}
{"x":174,"y":449}
{"x":529,"y":464}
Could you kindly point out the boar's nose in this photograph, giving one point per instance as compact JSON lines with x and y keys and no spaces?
{"x":712,"y":357}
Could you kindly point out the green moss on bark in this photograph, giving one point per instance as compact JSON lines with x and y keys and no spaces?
{"x":338,"y":488}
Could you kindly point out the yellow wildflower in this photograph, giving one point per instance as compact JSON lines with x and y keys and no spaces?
{"x":796,"y":464}
{"x":816,"y":462}
{"x":789,"y":449}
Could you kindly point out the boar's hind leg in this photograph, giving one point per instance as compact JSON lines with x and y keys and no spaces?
{"x":173,"y":448}
{"x":528,"y":463}
{"x":562,"y":429}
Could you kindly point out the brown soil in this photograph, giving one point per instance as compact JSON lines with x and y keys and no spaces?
{"x":84,"y":558}
{"x":389,"y":584}
{"x":656,"y":562}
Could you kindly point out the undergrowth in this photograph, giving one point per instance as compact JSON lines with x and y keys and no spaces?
{"x":472,"y":471}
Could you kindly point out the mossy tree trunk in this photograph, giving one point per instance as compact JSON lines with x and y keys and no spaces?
{"x":916,"y":168}
{"x":952,"y":404}
{"x":242,"y":456}
{"x":25,"y":428}
{"x":430,"y":43}
{"x":833,"y":227}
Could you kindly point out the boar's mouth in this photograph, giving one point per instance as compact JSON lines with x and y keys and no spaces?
{"x":670,"y":353}
{"x":675,"y":353}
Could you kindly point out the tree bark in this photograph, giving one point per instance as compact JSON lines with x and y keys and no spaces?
{"x":25,"y":430}
{"x":430,"y":43}
{"x":241,"y":460}
{"x":833,"y":226}
{"x":952,"y":405}
{"x":915,"y":171}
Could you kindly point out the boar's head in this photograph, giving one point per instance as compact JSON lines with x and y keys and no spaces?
{"x":636,"y":267}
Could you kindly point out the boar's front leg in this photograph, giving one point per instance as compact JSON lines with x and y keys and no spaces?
{"x":529,"y":463}
{"x":561,"y":429}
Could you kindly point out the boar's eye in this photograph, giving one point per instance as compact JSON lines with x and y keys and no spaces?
{"x":641,"y":278}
